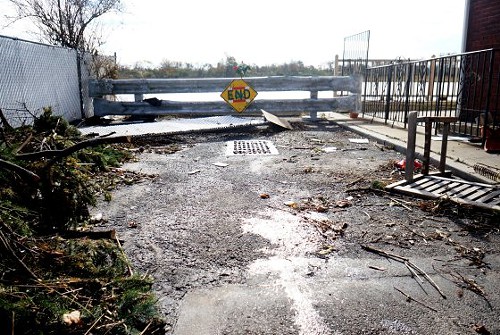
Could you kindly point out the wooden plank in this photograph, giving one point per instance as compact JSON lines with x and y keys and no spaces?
{"x":400,"y":183}
{"x":466,"y":192}
{"x":428,"y":195}
{"x":474,"y":203}
{"x":419,"y":180}
{"x":456,"y":190}
{"x":461,"y":192}
{"x":476,"y":195}
{"x":446,"y":187}
{"x":468,"y":182}
{"x":437,"y":185}
{"x":417,"y":183}
{"x":427,"y":148}
{"x":99,"y":88}
{"x":444,"y":146}
{"x":410,"y":146}
{"x":287,"y":107}
{"x":490,"y":196}
{"x":422,"y":193}
{"x":493,"y":203}
{"x":430,"y":182}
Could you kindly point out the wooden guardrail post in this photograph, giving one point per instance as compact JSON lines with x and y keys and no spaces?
{"x":314,"y":114}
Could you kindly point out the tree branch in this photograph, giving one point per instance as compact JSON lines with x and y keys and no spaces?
{"x":58,"y":154}
{"x":5,"y":242}
{"x":24,"y":173}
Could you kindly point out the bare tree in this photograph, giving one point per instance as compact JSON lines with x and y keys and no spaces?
{"x":69,"y":23}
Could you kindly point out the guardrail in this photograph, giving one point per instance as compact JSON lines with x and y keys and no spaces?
{"x":98,"y":89}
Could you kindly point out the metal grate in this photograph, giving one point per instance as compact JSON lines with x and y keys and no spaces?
{"x":251,"y":147}
{"x":460,"y":191}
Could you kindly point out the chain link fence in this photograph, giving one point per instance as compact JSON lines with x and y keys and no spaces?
{"x":355,"y":55}
{"x":34,"y":76}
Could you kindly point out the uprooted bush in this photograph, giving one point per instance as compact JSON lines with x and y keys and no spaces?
{"x":52,"y":168}
{"x":56,"y":277}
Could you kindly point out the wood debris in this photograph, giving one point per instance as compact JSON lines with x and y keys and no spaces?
{"x":409,"y":264}
{"x":409,"y":298}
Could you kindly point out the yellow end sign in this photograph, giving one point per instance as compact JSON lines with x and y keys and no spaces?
{"x":239,"y":95}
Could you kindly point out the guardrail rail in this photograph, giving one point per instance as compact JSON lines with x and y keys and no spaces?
{"x":99,"y":89}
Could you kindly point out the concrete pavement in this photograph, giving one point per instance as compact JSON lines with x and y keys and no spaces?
{"x":226,"y":260}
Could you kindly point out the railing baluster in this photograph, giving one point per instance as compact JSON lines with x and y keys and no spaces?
{"x":463,"y":86}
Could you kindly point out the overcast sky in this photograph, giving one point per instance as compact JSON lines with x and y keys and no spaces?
{"x":274,"y":31}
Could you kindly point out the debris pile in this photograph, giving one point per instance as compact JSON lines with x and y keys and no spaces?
{"x":58,"y":276}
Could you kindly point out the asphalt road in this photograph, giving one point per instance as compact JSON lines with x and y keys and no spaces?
{"x":277,"y":244}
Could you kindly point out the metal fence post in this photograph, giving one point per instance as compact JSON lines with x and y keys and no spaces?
{"x":407,"y":92}
{"x":388,"y":95}
{"x":80,"y":86}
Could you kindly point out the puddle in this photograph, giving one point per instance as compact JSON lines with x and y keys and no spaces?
{"x":284,"y":230}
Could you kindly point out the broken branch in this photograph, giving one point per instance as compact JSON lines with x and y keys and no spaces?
{"x":400,"y":203}
{"x":472,"y":286}
{"x":407,"y":262}
{"x":130,"y":271}
{"x":24,"y":173}
{"x":94,"y":235}
{"x":5,"y":242}
{"x":410,"y":298}
{"x":57,"y":154}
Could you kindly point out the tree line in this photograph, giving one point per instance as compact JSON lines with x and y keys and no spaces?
{"x":227,"y":68}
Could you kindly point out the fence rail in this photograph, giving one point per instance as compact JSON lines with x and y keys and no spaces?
{"x":464,"y":85}
{"x":138,"y":87}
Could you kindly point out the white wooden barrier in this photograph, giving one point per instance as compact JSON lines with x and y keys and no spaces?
{"x":98,"y":89}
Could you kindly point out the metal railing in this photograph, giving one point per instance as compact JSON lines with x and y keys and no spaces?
{"x":464,"y":85}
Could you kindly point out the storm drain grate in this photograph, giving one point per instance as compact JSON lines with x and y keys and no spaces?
{"x":251,"y":147}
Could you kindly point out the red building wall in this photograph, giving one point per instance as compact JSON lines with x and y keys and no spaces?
{"x":482,"y":31}
{"x":483,"y":28}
